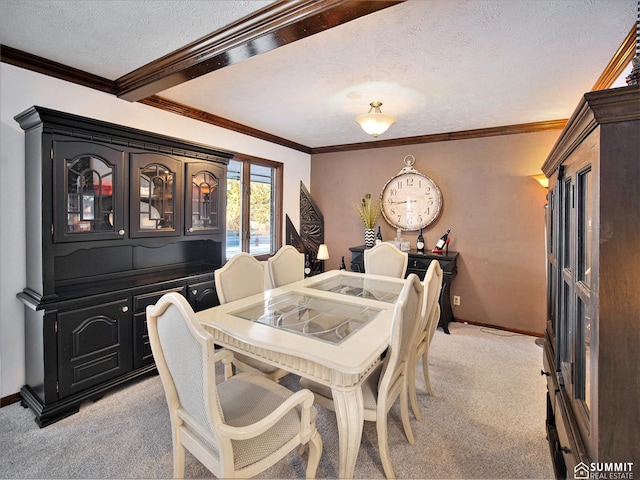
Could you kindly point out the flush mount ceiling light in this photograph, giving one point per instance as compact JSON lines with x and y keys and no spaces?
{"x":375,"y":122}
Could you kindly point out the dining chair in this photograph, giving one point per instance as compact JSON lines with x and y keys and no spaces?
{"x":237,"y":428}
{"x":386,"y":259}
{"x":286,"y":266}
{"x":388,"y":380}
{"x":426,"y":326}
{"x":242,"y":276}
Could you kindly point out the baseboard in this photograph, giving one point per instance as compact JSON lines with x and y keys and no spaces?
{"x":8,"y":400}
{"x":498,"y":327}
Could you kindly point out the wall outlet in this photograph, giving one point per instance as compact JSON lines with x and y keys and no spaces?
{"x":456,"y":300}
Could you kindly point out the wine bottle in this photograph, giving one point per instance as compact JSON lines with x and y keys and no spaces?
{"x":307,"y":266}
{"x":342,"y":265}
{"x":378,"y":236}
{"x":442,"y":242}
{"x":420,"y":242}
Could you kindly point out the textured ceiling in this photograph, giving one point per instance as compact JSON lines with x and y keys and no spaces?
{"x":110,"y":38}
{"x":437,"y":65}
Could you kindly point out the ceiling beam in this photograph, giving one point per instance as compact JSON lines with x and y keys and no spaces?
{"x":278,"y":24}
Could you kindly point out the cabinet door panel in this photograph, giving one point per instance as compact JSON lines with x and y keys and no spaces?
{"x":94,"y":345}
{"x":89,"y":193}
{"x":205,"y":183}
{"x":156,"y":195}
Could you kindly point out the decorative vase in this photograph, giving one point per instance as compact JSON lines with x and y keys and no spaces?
{"x":369,"y":237}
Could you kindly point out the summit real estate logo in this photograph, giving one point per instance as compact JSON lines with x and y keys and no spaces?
{"x":603,"y":471}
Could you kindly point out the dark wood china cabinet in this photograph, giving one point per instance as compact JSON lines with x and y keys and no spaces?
{"x":591,"y":355}
{"x":116,"y":217}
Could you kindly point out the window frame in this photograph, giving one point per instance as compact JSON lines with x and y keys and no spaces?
{"x":245,"y":182}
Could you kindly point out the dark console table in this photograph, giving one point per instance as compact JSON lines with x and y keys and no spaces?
{"x":418,"y":264}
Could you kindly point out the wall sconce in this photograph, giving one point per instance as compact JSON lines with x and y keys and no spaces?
{"x":323,"y":252}
{"x":541,"y":179}
{"x":375,"y":122}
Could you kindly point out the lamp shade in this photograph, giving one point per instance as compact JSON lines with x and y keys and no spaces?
{"x":375,"y":122}
{"x":323,"y":252}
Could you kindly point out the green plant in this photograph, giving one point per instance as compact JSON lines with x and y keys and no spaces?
{"x":368,"y":211}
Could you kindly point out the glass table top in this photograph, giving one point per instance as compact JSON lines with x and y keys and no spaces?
{"x":323,"y":319}
{"x":362,"y":287}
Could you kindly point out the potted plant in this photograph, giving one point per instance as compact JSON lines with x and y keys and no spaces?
{"x":368,"y":211}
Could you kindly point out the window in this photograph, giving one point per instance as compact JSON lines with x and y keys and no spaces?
{"x":254,"y":206}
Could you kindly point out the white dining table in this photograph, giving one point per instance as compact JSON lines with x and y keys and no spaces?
{"x":331,"y":328}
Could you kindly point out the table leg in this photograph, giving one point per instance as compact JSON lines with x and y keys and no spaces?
{"x":349,"y":409}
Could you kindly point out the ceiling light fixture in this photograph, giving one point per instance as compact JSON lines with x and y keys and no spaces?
{"x":375,"y":122}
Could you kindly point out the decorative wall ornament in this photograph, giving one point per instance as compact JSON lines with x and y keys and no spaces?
{"x":311,"y":229}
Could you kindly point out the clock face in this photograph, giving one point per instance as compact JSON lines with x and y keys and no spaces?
{"x":410,"y":200}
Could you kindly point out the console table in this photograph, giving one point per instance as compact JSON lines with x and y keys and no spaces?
{"x":418,"y":264}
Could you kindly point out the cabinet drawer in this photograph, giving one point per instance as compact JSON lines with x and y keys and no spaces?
{"x":203,"y":295}
{"x":141,"y":346}
{"x":141,"y":302}
{"x":419,"y":263}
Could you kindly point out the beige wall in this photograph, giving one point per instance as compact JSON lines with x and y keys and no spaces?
{"x":494,"y":210}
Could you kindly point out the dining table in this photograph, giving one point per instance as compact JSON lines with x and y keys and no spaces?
{"x":332,"y":328}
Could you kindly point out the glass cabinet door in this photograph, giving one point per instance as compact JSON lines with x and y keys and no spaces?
{"x":582,"y":348}
{"x":156,"y":209}
{"x":204,"y":183}
{"x":88,"y":191}
{"x":575,"y":333}
{"x":551,"y":215}
{"x":565,"y":280}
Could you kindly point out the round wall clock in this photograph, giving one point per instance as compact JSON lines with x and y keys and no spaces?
{"x":410,"y":200}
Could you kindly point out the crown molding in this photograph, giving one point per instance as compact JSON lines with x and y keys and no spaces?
{"x":202,"y":116}
{"x":34,"y":63}
{"x":619,"y":62}
{"x":447,"y":137}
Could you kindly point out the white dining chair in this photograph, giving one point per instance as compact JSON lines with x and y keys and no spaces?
{"x":242,"y":276}
{"x":386,"y":259}
{"x":388,"y":381}
{"x":237,"y":428}
{"x":286,"y":266}
{"x":426,"y":326}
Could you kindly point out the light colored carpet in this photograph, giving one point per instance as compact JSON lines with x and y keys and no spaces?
{"x":486,"y":420}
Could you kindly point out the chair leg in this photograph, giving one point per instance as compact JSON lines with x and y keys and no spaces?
{"x":383,"y":446}
{"x":315,"y":452}
{"x":425,"y":369}
{"x":404,"y":412}
{"x":178,"y":460}
{"x":228,"y":370}
{"x":411,"y":384}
